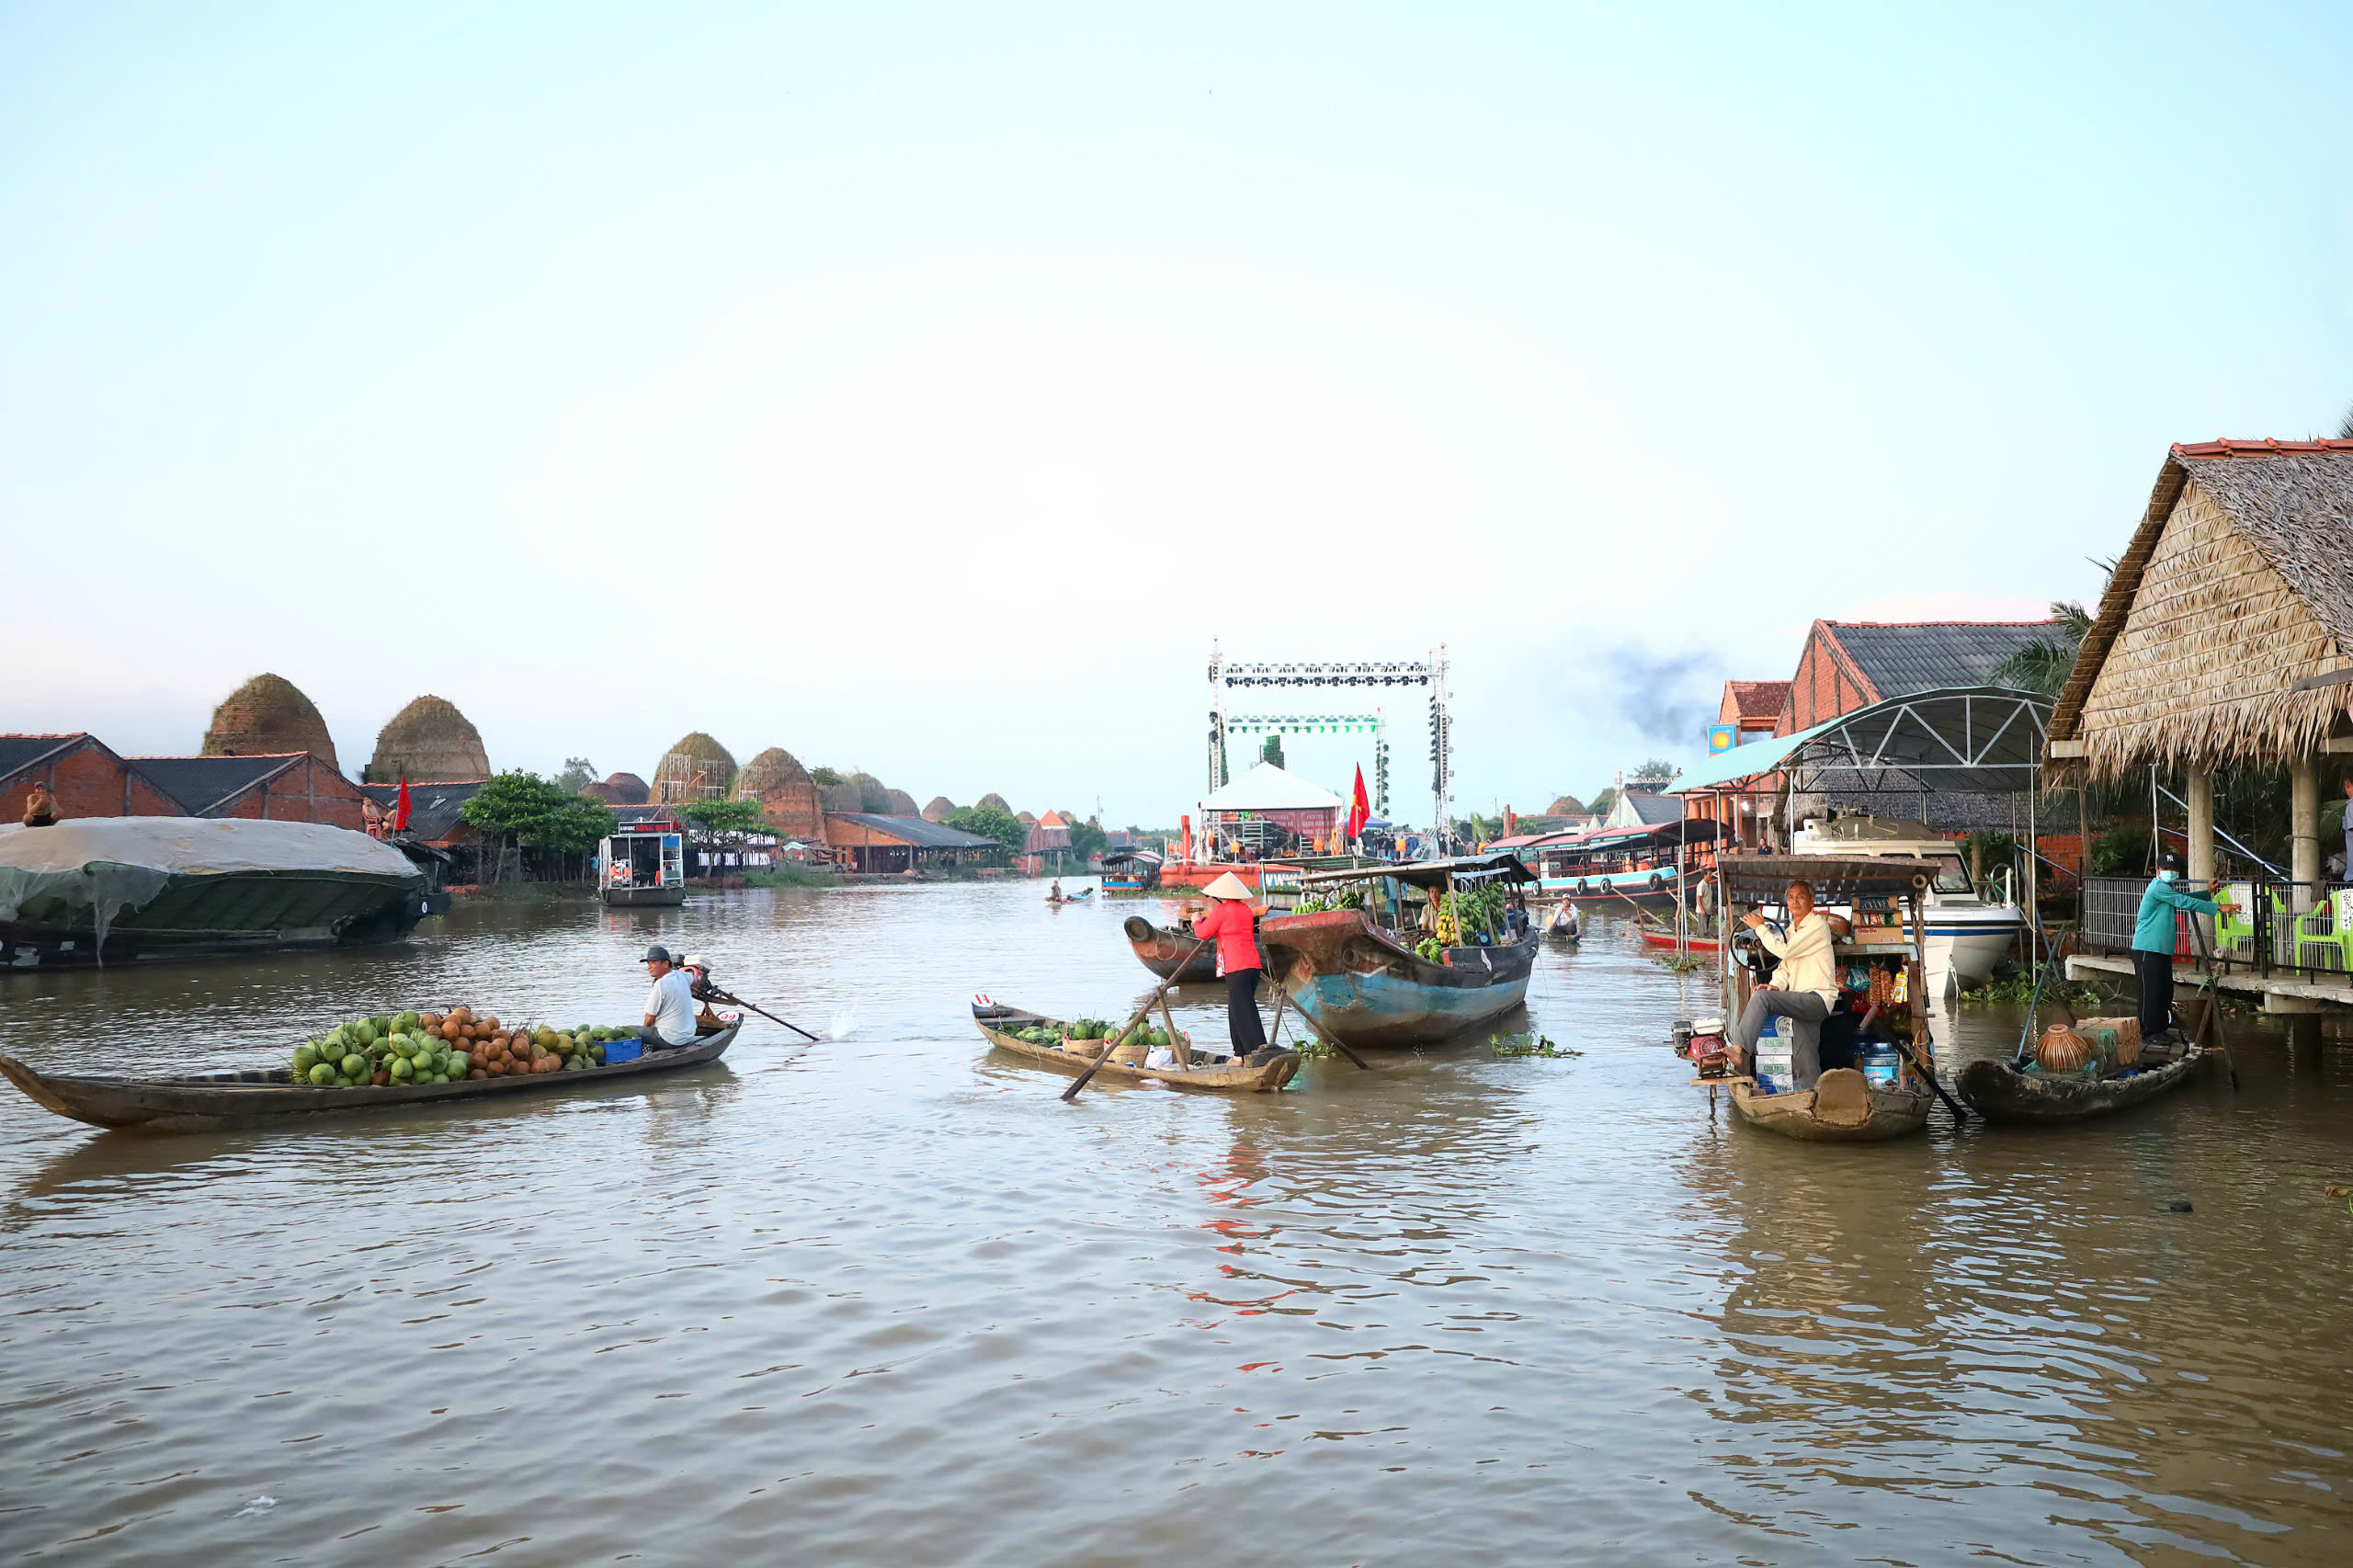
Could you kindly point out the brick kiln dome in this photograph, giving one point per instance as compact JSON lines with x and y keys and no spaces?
{"x":428,"y":739}
{"x":628,"y":790}
{"x":901,"y":804}
{"x":940,"y":808}
{"x":268,"y":716}
{"x":994,"y":799}
{"x":695,"y":767}
{"x":766,"y":772}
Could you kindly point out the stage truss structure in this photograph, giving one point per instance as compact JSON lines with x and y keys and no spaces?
{"x":1227,"y":677}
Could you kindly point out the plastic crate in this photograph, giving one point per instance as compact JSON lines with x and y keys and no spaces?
{"x":619,"y":1050}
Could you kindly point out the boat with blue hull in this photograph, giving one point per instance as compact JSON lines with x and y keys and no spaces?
{"x":1359,"y":983}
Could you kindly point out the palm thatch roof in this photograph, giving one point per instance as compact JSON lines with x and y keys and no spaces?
{"x":939,"y":809}
{"x":2237,"y":585}
{"x":430,"y":739}
{"x":772,"y":770}
{"x":628,"y":790}
{"x":268,"y":716}
{"x":695,"y":767}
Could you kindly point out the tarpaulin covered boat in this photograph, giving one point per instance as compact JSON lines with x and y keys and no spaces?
{"x":119,"y":889}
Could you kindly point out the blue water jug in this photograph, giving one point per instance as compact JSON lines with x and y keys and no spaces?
{"x":1880,"y":1063}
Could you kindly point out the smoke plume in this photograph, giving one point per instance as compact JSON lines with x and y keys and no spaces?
{"x":1661,"y":696}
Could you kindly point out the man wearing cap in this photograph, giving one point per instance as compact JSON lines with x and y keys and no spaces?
{"x":1231,"y":924}
{"x":669,"y":1006}
{"x":2153,"y":945}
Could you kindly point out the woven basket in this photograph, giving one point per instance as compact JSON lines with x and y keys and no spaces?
{"x":2062,"y":1050}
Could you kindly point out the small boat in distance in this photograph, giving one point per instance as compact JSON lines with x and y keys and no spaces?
{"x":1131,"y":871}
{"x":1081,"y":896}
{"x":206,"y":1102}
{"x":644,"y":860}
{"x":1358,"y":980}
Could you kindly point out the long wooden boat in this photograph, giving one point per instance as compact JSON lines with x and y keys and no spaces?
{"x":1998,"y":1091}
{"x":997,"y":1023}
{"x":1081,"y":896}
{"x":204,"y":1102}
{"x":1653,"y":937}
{"x":1173,"y":954}
{"x":1364,"y":988}
{"x":1843,"y":1106}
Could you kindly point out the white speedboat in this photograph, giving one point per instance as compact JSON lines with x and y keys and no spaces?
{"x":1971,"y":929}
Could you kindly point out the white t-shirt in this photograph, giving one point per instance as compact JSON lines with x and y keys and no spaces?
{"x":672,"y":1003}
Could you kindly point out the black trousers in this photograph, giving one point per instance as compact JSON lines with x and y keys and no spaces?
{"x":2154,"y":971}
{"x":1242,"y":1010}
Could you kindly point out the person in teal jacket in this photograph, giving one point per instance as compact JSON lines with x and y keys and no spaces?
{"x":2153,"y":943}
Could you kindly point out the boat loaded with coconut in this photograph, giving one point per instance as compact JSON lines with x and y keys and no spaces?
{"x":1877,"y":1060}
{"x":116,"y":890}
{"x":1138,"y":1055}
{"x":1402,"y":955}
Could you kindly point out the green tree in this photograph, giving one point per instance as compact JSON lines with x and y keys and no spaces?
{"x":1009,"y":831}
{"x":1602,"y":800}
{"x":725,"y":816}
{"x":2043,"y":665}
{"x":520,"y":807}
{"x":577,"y":775}
{"x":1654,"y":775}
{"x":823,"y":778}
{"x":1087,"y":840}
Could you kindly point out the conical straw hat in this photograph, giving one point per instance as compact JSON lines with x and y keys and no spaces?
{"x":1227,"y":886}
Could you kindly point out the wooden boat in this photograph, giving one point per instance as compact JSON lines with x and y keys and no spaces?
{"x":1844,"y":1105}
{"x":644,"y":860}
{"x":997,"y":1023}
{"x":1999,"y":1092}
{"x":1841,"y":1108}
{"x":1363,"y":987}
{"x":1173,"y":954}
{"x":1081,"y":896}
{"x":204,"y":1102}
{"x":1653,"y":937}
{"x":1131,"y":871}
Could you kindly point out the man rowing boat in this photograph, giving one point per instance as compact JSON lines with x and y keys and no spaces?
{"x":669,"y":1006}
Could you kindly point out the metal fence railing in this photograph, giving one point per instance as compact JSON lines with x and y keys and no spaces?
{"x":2277,"y":926}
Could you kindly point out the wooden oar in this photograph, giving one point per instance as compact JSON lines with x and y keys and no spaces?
{"x":1112,"y":1041}
{"x":719,"y":995}
{"x":1929,"y":1073}
{"x":2213,"y":992}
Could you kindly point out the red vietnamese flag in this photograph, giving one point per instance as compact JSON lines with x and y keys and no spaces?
{"x":1359,"y":809}
{"x":400,"y":808}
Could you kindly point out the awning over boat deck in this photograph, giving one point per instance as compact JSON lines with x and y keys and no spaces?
{"x":1431,"y":873}
{"x":1836,"y":878}
{"x":1978,"y":739}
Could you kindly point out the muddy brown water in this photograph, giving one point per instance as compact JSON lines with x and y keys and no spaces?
{"x":887,"y":1301}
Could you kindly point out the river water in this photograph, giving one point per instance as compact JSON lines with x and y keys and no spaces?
{"x":886,"y":1299}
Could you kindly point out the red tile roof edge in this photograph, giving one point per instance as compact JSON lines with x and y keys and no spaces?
{"x":2226,"y":446}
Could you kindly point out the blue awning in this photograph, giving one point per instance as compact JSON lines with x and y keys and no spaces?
{"x":1745,"y":761}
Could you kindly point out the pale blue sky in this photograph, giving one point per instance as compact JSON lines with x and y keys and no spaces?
{"x":975,"y":365}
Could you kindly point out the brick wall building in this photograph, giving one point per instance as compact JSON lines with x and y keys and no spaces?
{"x":90,"y":779}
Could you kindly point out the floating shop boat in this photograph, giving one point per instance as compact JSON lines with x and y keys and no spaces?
{"x":204,"y":1102}
{"x":1846,"y":1105}
{"x":998,"y":1022}
{"x":1635,"y":863}
{"x":1970,"y":927}
{"x":1358,"y":983}
{"x":1174,"y":954}
{"x":1998,"y":1091}
{"x":117,"y":890}
{"x":1131,"y":871}
{"x":644,"y":860}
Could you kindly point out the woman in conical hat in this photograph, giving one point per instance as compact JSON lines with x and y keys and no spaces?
{"x":1233,"y":925}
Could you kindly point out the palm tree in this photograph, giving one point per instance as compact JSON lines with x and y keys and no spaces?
{"x":2042,"y":667}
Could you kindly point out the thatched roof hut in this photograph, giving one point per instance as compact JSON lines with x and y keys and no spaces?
{"x":899,"y":804}
{"x":695,"y":767}
{"x":268,"y":716}
{"x":993,"y":800}
{"x":2235,"y":592}
{"x":940,"y":808}
{"x":627,"y":789}
{"x":430,"y":739}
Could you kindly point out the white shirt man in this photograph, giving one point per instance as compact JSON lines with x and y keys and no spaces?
{"x":669,"y":1006}
{"x":1803,"y":989}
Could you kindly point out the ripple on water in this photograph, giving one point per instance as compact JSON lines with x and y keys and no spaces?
{"x":887,"y":1300}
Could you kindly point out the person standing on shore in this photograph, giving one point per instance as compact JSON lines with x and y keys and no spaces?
{"x":2153,"y":945}
{"x":1233,"y":927}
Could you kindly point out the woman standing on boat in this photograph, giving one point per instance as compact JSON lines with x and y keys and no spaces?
{"x":1233,"y":927}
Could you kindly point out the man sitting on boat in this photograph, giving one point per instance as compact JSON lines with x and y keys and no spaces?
{"x":1233,"y":927}
{"x":1802,"y":989}
{"x":700,"y":987}
{"x":669,"y":1006}
{"x":2153,"y":945}
{"x":1565,"y":920}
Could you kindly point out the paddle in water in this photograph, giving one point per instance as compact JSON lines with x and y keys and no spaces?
{"x":734,"y":1000}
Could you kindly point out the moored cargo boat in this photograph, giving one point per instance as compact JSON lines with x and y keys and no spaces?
{"x":117,"y":890}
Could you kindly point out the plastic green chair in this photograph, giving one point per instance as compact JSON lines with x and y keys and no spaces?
{"x":2234,"y":930}
{"x":2326,"y":934}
